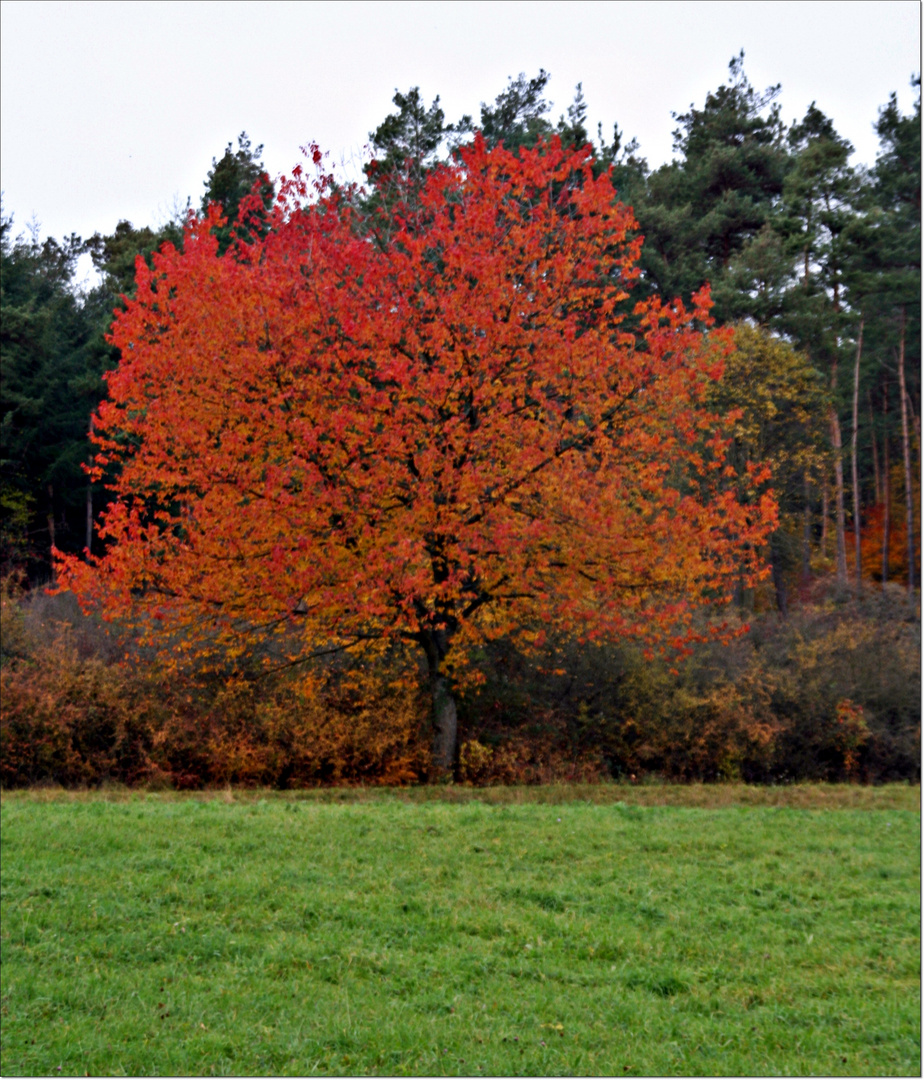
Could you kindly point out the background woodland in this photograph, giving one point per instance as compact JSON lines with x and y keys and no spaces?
{"x":816,"y":265}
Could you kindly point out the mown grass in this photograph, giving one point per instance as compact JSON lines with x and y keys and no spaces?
{"x":234,"y":934}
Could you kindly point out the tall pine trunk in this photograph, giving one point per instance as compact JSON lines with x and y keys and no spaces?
{"x":906,"y":454}
{"x":840,"y":522}
{"x":840,"y":513}
{"x":915,"y":427}
{"x":877,"y":479}
{"x":853,"y":463}
{"x":887,"y":494}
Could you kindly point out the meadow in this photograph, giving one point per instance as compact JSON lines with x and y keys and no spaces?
{"x":608,"y":930}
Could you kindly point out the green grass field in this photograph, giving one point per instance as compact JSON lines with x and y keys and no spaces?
{"x":462,"y":934}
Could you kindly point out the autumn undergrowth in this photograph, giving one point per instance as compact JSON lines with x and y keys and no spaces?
{"x":152,"y":933}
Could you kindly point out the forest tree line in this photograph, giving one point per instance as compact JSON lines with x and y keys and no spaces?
{"x":815,"y":260}
{"x":814,"y":270}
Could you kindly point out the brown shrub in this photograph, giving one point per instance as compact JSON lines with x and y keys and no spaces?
{"x":71,"y":716}
{"x":73,"y":721}
{"x":832,"y":694}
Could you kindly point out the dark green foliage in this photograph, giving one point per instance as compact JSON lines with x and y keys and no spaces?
{"x":51,"y":383}
{"x":572,"y":127}
{"x":54,"y":354}
{"x":704,"y":208}
{"x":518,"y":115}
{"x":238,"y":174}
{"x":407,"y":146}
{"x":816,"y":210}
{"x":890,"y":234}
{"x":407,"y":142}
{"x":114,"y":255}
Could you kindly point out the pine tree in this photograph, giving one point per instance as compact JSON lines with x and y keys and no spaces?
{"x":703,"y":209}
{"x":236,"y":175}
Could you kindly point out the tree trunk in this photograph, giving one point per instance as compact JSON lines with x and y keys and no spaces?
{"x":915,"y":427}
{"x":877,"y":479}
{"x":887,"y":486}
{"x":853,"y":464}
{"x":840,"y":517}
{"x":906,"y":454}
{"x":807,"y":534}
{"x":824,"y":518}
{"x":445,"y":724}
{"x":445,"y":718}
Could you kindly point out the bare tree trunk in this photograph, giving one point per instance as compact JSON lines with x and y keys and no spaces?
{"x":906,"y":454}
{"x":807,"y":533}
{"x":887,"y":494}
{"x":824,"y":518}
{"x":877,"y":480}
{"x":853,"y":463}
{"x":840,"y":522}
{"x":840,"y":516}
{"x":915,"y":427}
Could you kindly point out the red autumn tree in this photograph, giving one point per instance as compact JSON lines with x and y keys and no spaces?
{"x":443,"y":438}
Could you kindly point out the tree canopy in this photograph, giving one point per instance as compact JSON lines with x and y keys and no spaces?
{"x":438,"y":441}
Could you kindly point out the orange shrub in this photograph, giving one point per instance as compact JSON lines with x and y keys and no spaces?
{"x":73,"y":719}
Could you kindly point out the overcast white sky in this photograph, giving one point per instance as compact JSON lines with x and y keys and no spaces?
{"x":112,"y":110}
